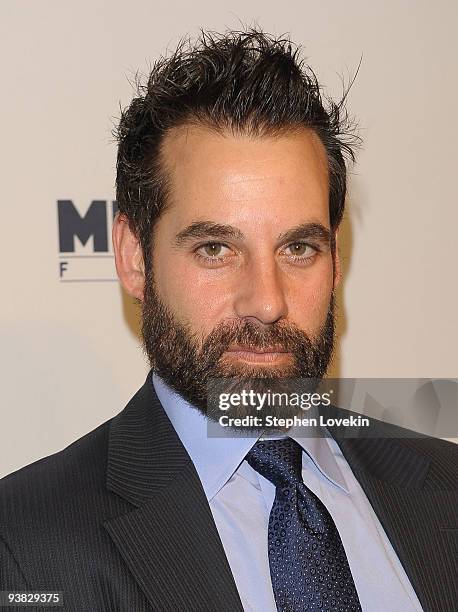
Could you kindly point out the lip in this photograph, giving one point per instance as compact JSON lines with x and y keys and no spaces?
{"x":255,"y":350}
{"x":259,"y":356}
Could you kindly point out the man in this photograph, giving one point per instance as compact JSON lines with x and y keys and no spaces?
{"x":231,"y":186}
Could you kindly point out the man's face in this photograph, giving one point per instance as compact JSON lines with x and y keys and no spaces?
{"x":242,"y":270}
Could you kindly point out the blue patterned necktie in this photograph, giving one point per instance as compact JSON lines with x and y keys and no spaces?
{"x":308,"y":565}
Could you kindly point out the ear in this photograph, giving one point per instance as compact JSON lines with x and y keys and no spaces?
{"x":336,"y":261}
{"x":128,"y":257}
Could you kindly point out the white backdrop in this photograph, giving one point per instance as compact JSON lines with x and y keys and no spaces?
{"x":70,"y":354}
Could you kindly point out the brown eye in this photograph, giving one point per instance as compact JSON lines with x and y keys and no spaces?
{"x":213,"y":252}
{"x":299,"y":249}
{"x":212,"y":249}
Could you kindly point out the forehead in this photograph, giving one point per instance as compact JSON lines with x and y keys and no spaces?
{"x":222,"y":174}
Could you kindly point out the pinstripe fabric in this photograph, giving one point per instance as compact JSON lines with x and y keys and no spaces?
{"x":412,"y":485}
{"x":11,"y":576}
{"x":415,"y":524}
{"x":50,"y":521}
{"x":119,"y":520}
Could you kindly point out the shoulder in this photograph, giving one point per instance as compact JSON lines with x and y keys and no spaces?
{"x":53,"y":512}
{"x":436,"y":447}
{"x":55,"y":479}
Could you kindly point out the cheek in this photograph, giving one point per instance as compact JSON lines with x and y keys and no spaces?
{"x":195,"y":298}
{"x":310,"y":299}
{"x":205,"y":301}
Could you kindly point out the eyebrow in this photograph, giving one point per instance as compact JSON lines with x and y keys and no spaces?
{"x":209,"y":229}
{"x":315,"y":231}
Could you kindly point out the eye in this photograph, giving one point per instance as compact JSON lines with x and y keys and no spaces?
{"x":213,"y":252}
{"x":212,"y":249}
{"x":301,"y":251}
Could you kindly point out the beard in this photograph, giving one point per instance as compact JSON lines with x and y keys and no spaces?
{"x":195,"y":369}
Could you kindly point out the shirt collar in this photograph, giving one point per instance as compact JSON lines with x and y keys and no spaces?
{"x":217,"y":458}
{"x":320,"y":452}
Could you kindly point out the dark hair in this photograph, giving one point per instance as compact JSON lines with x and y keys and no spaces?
{"x":248,"y":82}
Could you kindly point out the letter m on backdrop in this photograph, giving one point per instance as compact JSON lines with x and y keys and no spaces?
{"x":72,"y":224}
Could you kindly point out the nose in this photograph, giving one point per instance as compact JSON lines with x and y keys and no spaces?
{"x":260,"y":294}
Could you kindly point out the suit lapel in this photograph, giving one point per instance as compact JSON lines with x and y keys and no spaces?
{"x":399,"y":482}
{"x":169,"y":540}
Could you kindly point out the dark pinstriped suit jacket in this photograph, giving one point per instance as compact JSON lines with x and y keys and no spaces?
{"x":119,"y":521}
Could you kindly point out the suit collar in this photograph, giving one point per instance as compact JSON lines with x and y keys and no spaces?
{"x":398,"y":456}
{"x":144,"y":453}
{"x":388,"y":454}
{"x":387,"y":459}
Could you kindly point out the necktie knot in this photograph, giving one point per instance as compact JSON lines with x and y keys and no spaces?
{"x":280,"y":461}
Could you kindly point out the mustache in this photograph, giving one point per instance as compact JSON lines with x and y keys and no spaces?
{"x":247,"y":333}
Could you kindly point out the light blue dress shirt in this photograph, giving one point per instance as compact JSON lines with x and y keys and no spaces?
{"x":240,"y":500}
